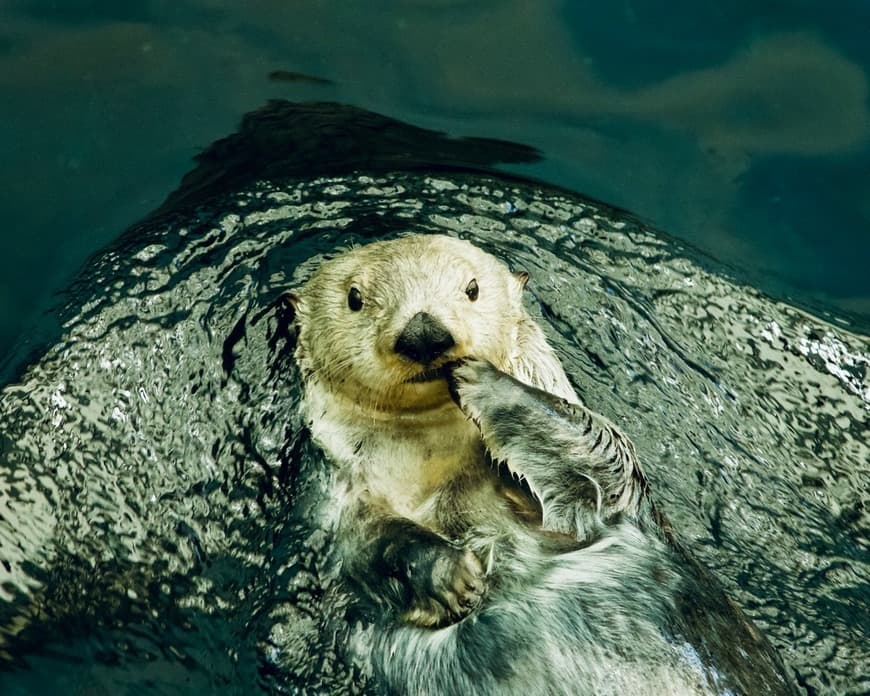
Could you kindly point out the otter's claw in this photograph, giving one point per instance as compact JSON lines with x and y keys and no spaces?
{"x":453,"y":589}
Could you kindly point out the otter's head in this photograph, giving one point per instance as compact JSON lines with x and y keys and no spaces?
{"x":377,"y":323}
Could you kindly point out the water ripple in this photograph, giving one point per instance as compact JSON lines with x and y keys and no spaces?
{"x":157,"y":489}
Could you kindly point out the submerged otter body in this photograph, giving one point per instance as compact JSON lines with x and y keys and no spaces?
{"x":497,"y":532}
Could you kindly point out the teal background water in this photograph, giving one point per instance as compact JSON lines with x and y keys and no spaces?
{"x":739,"y":127}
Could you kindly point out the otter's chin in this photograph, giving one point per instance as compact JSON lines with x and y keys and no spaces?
{"x":426,"y":393}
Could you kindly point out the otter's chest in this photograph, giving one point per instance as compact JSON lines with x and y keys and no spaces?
{"x":404,"y":461}
{"x":409,"y":467}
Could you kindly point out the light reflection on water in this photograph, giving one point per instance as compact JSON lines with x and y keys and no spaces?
{"x":157,"y":496}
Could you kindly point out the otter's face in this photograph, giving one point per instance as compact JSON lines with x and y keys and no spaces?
{"x":377,"y":323}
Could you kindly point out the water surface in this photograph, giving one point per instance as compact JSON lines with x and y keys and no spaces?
{"x":158,"y":493}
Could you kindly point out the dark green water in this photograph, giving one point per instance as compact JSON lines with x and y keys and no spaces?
{"x":741,"y":127}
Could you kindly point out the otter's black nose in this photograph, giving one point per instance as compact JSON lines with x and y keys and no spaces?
{"x":423,"y":339}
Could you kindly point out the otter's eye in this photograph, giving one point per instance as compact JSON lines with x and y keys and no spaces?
{"x":472,"y":290}
{"x":354,"y":299}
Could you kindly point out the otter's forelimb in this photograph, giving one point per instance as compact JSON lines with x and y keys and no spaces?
{"x":582,"y":469}
{"x":412,"y":571}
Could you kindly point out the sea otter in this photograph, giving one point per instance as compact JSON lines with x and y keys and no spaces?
{"x":497,"y":532}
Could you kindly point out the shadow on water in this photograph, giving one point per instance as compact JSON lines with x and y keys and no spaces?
{"x":158,"y":494}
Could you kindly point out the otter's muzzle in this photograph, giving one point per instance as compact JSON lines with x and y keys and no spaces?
{"x":423,"y":339}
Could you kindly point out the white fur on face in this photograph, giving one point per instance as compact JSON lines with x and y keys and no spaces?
{"x":353,"y":351}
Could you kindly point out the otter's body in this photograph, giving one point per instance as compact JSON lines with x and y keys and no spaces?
{"x":421,"y":368}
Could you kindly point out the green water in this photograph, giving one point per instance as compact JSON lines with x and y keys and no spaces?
{"x":742,"y":128}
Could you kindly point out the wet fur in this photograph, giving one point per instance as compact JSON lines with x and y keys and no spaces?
{"x":498,"y":533}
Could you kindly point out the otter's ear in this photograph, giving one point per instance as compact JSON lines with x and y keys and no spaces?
{"x":522,"y":278}
{"x":288,"y":305}
{"x":291,"y":298}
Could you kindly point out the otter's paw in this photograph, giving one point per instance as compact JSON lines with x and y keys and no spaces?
{"x":471,"y":383}
{"x":445,"y":587}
